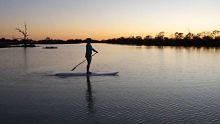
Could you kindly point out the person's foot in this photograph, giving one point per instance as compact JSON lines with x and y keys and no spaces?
{"x":89,"y":73}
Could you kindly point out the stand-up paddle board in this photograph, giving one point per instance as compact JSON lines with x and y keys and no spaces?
{"x":72,"y":74}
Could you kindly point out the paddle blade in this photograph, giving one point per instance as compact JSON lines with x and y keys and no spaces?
{"x":73,"y":69}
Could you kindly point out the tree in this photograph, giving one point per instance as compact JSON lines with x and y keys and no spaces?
{"x":148,"y":37}
{"x":160,"y":36}
{"x":2,"y":39}
{"x":24,"y":33}
{"x":189,"y":36}
{"x":199,"y":35}
{"x":48,"y":38}
{"x":179,"y":36}
{"x":139,"y":38}
{"x":216,"y":33}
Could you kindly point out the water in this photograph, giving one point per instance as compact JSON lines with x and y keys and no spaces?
{"x":155,"y":85}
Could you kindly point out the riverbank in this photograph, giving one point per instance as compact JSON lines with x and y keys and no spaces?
{"x":122,"y":41}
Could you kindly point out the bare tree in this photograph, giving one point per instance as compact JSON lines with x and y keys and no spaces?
{"x":24,"y":33}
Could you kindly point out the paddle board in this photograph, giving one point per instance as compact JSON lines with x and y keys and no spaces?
{"x":72,"y":74}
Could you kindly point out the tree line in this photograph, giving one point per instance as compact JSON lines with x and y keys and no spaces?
{"x":209,"y":39}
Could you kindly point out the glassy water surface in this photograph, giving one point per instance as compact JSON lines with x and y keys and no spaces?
{"x":155,"y":85}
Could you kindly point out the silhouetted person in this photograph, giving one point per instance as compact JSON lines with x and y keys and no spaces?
{"x":88,"y":55}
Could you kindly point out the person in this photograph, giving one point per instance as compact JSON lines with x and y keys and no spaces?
{"x":88,"y":54}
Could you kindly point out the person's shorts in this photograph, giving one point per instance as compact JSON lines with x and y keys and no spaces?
{"x":88,"y":56}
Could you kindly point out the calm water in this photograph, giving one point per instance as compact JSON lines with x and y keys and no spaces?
{"x":155,"y":85}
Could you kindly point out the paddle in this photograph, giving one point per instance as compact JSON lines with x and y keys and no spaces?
{"x":81,"y":63}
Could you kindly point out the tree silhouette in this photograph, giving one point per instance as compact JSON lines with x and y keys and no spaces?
{"x":160,"y":35}
{"x":179,"y":36}
{"x":24,"y":33}
{"x":148,"y":37}
{"x":189,"y":36}
{"x":215,"y":34}
{"x":206,"y":39}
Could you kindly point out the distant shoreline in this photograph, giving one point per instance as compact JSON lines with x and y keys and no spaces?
{"x":4,"y":43}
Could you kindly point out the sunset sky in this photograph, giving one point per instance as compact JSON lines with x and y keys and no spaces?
{"x":103,"y":19}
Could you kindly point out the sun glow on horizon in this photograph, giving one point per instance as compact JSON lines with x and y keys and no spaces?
{"x":104,"y":19}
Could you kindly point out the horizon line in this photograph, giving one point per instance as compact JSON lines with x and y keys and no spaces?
{"x":142,"y":35}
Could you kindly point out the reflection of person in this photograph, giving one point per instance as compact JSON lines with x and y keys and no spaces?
{"x":88,"y":55}
{"x":89,"y":96}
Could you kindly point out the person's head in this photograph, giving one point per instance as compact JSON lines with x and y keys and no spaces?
{"x":88,"y":40}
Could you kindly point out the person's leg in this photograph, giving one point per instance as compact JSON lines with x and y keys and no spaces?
{"x":89,"y":59}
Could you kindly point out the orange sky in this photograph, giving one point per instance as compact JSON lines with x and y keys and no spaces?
{"x":102,"y":19}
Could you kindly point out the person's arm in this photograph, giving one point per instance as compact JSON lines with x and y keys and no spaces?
{"x":95,"y":50}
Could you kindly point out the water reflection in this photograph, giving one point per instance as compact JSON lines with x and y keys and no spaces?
{"x":25,"y":60}
{"x":180,"y":48}
{"x":89,"y":97}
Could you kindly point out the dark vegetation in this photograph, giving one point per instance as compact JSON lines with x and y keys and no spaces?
{"x":203,"y":39}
